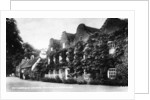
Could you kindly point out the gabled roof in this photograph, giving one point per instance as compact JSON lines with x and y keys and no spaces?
{"x":67,"y":37}
{"x":29,"y":63}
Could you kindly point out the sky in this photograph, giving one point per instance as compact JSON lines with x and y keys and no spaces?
{"x":38,"y":31}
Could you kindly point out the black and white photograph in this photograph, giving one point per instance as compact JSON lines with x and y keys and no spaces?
{"x":67,"y":54}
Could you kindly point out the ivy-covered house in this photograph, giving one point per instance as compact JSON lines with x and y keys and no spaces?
{"x":94,"y":56}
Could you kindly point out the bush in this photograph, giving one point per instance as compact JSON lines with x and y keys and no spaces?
{"x":70,"y":81}
{"x":57,"y":80}
{"x":80,"y":80}
{"x":95,"y":82}
{"x":48,"y":80}
{"x":115,"y":82}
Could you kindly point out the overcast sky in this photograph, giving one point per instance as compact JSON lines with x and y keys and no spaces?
{"x":38,"y":31}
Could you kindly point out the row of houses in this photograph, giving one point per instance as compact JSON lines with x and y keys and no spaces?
{"x":68,"y":58}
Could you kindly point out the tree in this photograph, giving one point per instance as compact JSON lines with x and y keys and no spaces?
{"x":14,"y":48}
{"x":30,"y":50}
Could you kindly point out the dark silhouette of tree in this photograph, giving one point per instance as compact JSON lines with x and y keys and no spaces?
{"x":14,"y":49}
{"x":30,"y":50}
{"x":13,"y":39}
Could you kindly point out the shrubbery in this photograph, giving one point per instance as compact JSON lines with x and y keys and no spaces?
{"x":55,"y":80}
{"x":70,"y":81}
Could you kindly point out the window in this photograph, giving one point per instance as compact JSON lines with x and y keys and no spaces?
{"x":111,"y":73}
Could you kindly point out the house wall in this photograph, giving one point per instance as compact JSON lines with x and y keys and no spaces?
{"x":61,"y":73}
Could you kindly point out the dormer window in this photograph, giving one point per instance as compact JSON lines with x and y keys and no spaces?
{"x":67,"y":59}
{"x":84,"y":57}
{"x":32,"y":57}
{"x":54,"y":59}
{"x":60,"y":58}
{"x":51,"y":48}
{"x":64,"y":45}
{"x":112,"y":48}
{"x":48,"y":61}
